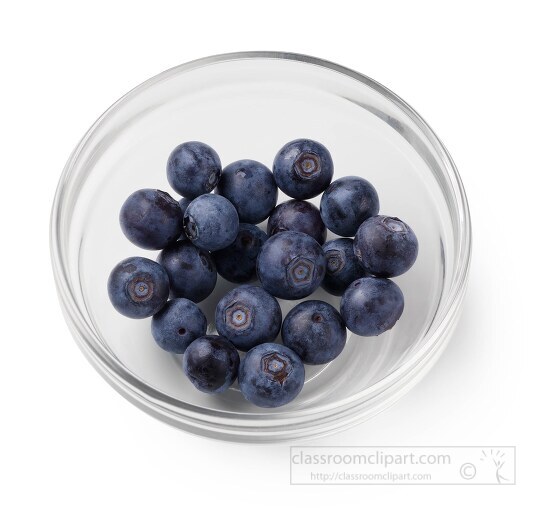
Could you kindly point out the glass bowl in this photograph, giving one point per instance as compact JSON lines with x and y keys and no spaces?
{"x":247,"y":105}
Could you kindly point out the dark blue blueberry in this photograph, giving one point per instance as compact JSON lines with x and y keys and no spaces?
{"x":386,"y":246}
{"x":251,"y":188}
{"x":183,"y":202}
{"x":177,"y":325}
{"x":191,"y":270}
{"x":343,"y":267}
{"x":303,"y":168}
{"x":297,"y":215}
{"x":291,"y":265}
{"x":248,"y":316}
{"x":151,"y":219}
{"x":211,"y":363}
{"x":371,"y":306}
{"x":315,"y":331}
{"x":271,"y":375}
{"x":347,"y":203}
{"x":138,"y":287}
{"x":237,"y":263}
{"x":193,"y":169}
{"x":211,"y":222}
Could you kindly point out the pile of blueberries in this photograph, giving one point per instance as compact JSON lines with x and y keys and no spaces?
{"x":290,"y":262}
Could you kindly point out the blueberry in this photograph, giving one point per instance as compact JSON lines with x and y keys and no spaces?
{"x":271,"y":375}
{"x":151,"y":219}
{"x":183,"y":202}
{"x":386,"y":246}
{"x":177,"y":325}
{"x":291,"y":265}
{"x":247,"y":316}
{"x":297,"y":215}
{"x":347,"y":203}
{"x":138,"y":287}
{"x":303,"y":168}
{"x":191,"y":270}
{"x":315,"y":331}
{"x":211,"y":222}
{"x":211,"y":363}
{"x":237,"y":263}
{"x":343,"y":267}
{"x":371,"y":306}
{"x":251,"y":188}
{"x":193,"y":169}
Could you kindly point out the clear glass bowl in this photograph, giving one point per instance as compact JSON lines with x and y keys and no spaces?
{"x":247,"y":105}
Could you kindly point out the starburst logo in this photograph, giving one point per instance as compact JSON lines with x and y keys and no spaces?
{"x":496,"y":458}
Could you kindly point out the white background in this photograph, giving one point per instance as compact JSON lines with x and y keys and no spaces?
{"x":71,"y":447}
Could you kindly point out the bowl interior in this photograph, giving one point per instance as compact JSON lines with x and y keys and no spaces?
{"x":248,"y":108}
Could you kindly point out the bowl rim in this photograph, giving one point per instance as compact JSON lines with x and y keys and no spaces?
{"x":204,"y":419}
